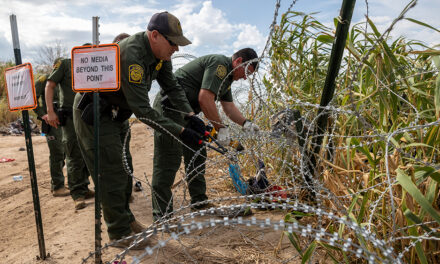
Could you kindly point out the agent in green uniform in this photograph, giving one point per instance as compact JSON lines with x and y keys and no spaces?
{"x":204,"y":80}
{"x":145,"y":56}
{"x":77,"y":174}
{"x":53,"y":138}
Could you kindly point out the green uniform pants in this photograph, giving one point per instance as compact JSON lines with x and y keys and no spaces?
{"x":115,"y":183}
{"x":56,"y":157}
{"x":167,"y":158}
{"x":77,"y":174}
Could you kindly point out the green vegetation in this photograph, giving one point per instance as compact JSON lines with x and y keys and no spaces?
{"x":5,"y":115}
{"x":382,"y":87}
{"x":3,"y":66}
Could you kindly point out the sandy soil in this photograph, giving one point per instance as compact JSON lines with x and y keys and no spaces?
{"x":69,"y":234}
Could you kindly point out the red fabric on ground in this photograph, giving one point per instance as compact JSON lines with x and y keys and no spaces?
{"x":3,"y":160}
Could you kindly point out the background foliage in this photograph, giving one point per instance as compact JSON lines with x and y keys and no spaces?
{"x":385,"y":89}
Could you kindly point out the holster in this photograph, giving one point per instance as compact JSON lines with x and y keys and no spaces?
{"x":63,"y":115}
{"x":86,"y":107}
{"x":55,"y":107}
{"x":45,"y":128}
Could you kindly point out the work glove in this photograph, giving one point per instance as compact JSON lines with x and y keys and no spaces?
{"x":196,"y":124}
{"x":248,"y":126}
{"x":223,"y":137}
{"x":190,"y":137}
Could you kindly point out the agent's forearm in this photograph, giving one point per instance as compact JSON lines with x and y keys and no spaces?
{"x":233,"y":113}
{"x":49,"y":91}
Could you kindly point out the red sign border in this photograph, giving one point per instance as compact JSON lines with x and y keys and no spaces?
{"x":118,"y":73}
{"x":26,"y":107}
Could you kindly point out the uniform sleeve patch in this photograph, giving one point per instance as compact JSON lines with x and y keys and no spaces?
{"x":135,"y":72}
{"x":57,"y":65}
{"x":221,"y":71}
{"x":42,"y":78}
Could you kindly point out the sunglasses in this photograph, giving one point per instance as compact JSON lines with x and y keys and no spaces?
{"x":169,"y":41}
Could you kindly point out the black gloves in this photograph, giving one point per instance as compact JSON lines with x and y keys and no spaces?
{"x":196,"y":124}
{"x":189,"y":136}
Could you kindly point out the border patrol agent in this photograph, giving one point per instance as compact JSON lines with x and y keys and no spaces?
{"x":204,"y":81}
{"x":53,"y":138}
{"x":77,"y":174}
{"x":145,"y":56}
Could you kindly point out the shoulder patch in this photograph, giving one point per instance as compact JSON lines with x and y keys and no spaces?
{"x":57,"y":65}
{"x":42,"y":78}
{"x":221,"y":71}
{"x":135,"y":73}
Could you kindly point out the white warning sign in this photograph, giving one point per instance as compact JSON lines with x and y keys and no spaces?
{"x":95,"y":68}
{"x":20,"y":87}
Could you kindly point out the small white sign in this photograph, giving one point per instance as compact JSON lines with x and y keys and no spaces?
{"x":20,"y":87}
{"x":95,"y":68}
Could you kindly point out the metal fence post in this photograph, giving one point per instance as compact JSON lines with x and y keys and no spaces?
{"x":29,"y":148}
{"x":97,"y":174}
{"x":329,"y":85}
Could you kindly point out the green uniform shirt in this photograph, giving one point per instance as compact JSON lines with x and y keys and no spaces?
{"x":207,"y":72}
{"x":139,"y":67}
{"x":40,"y":85}
{"x":61,"y":75}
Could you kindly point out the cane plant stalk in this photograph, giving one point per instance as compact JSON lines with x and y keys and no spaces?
{"x":387,"y":101}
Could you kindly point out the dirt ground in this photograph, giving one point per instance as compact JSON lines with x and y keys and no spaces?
{"x":69,"y":234}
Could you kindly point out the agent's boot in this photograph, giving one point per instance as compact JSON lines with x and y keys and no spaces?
{"x":141,"y":243}
{"x":80,"y":203}
{"x":60,"y":192}
{"x":201,"y":205}
{"x":137,"y":227}
{"x":89,"y":194}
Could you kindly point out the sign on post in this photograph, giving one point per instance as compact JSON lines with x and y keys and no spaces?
{"x":20,"y":87}
{"x":95,"y":68}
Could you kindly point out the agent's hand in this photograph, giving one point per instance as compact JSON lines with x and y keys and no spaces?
{"x":248,"y":126}
{"x":190,"y":137}
{"x":223,"y":137}
{"x":52,"y":119}
{"x":196,"y":124}
{"x":44,"y":118}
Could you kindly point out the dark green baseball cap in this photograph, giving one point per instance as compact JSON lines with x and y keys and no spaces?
{"x":169,"y":26}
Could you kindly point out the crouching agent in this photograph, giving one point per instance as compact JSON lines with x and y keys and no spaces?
{"x":204,"y":80}
{"x":145,"y":56}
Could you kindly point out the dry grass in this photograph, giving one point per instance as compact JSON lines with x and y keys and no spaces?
{"x":7,"y":116}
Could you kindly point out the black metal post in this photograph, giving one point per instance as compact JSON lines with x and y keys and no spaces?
{"x":97,"y":174}
{"x":329,"y":86}
{"x":30,"y":151}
